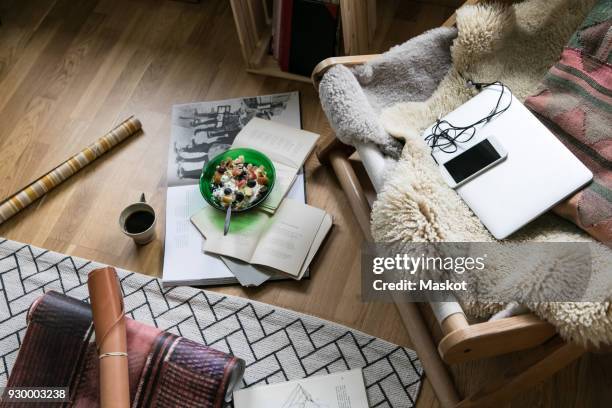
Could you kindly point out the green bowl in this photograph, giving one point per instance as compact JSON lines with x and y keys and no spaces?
{"x":250,"y":156}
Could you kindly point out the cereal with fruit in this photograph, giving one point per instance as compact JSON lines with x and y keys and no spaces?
{"x":239,"y":184}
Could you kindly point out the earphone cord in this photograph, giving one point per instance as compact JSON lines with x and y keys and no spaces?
{"x":445,"y":136}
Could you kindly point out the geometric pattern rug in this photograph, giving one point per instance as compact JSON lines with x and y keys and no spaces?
{"x":277,"y":344}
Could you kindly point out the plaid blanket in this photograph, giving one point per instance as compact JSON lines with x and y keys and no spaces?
{"x":575,"y":101}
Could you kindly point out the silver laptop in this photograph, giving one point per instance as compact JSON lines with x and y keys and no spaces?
{"x":537,"y":173}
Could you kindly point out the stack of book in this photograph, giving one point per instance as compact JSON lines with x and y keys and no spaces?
{"x":305,"y":32}
{"x":283,"y":235}
{"x":203,"y":130}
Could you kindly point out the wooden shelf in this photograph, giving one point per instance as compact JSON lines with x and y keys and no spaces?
{"x":269,"y":66}
{"x":364,"y":23}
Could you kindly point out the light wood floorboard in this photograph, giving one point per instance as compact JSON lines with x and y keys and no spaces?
{"x":70,"y":70}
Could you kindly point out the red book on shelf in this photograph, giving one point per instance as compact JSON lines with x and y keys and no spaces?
{"x":276,"y":19}
{"x":285,"y":34}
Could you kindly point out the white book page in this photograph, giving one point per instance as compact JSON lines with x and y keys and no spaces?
{"x":285,"y":176}
{"x":281,"y":143}
{"x":286,"y":242}
{"x":324,"y":228}
{"x":339,"y":390}
{"x":298,"y":188}
{"x":242,"y":238}
{"x":283,"y":241}
{"x":184,"y":261}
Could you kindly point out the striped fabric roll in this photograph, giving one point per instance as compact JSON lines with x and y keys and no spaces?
{"x":18,"y":201}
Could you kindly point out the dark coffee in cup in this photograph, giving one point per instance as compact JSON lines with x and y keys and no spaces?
{"x":139,"y":221}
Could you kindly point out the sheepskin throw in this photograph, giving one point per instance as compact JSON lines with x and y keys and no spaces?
{"x":353,"y":99}
{"x":516,"y":44}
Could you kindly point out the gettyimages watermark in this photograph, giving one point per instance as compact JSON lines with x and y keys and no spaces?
{"x":486,"y":272}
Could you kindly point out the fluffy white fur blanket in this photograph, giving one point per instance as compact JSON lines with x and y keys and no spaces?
{"x":516,"y":44}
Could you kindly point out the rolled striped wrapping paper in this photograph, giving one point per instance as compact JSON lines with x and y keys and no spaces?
{"x":20,"y":200}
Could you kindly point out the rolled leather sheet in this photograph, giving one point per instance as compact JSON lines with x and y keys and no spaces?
{"x":165,"y":370}
{"x":109,"y":325}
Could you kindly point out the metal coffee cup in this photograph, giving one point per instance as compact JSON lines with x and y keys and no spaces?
{"x":138,"y":220}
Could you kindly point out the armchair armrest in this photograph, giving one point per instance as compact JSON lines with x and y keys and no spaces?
{"x":327,"y":63}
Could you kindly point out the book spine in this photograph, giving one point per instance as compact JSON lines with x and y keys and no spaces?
{"x":285,"y":34}
{"x":276,"y":27}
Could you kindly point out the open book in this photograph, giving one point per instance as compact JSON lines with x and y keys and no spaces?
{"x":286,"y":241}
{"x":286,"y":146}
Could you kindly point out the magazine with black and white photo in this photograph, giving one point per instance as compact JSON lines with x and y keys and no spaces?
{"x":199,"y":132}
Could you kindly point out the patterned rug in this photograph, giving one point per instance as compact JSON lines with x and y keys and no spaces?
{"x":277,"y":344}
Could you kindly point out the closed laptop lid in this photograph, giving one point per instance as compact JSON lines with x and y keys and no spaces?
{"x":538,"y":173}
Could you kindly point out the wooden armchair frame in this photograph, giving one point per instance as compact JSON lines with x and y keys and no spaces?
{"x":460,"y":341}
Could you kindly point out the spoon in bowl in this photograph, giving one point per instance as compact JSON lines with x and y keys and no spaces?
{"x":228,"y":216}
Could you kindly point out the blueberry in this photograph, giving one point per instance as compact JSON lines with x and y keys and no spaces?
{"x":227,"y":191}
{"x":221,"y":169}
{"x":239,"y":196}
{"x":251,"y":183}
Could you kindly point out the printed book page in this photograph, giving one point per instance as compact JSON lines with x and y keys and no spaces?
{"x":282,"y":242}
{"x":184,"y":262}
{"x":202,"y":130}
{"x":285,"y":177}
{"x":286,"y":146}
{"x":255,"y":275}
{"x":281,"y":143}
{"x":339,"y":390}
{"x":286,"y":242}
{"x":243,"y":236}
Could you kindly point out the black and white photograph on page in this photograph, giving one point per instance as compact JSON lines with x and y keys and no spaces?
{"x":202,"y":130}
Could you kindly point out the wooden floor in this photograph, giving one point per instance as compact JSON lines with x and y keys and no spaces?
{"x":70,"y":70}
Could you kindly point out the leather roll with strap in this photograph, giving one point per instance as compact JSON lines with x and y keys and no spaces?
{"x":109,"y":325}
